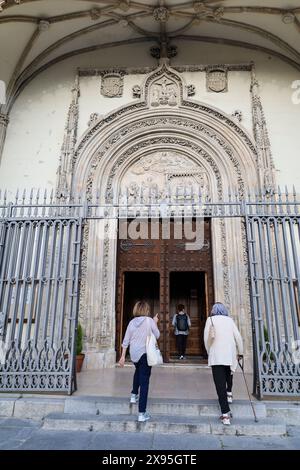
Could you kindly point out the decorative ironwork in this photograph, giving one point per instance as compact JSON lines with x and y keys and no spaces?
{"x":274,"y":249}
{"x":38,"y":300}
{"x":40,"y":240}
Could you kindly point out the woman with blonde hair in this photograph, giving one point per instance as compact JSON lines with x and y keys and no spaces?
{"x":135,"y":337}
{"x":224,"y":345}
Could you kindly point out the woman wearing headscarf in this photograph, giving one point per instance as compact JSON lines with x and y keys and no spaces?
{"x":224,"y":345}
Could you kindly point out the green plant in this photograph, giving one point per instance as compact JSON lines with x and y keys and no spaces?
{"x":79,"y":339}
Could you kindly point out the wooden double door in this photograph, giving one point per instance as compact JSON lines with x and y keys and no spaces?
{"x":164,"y":273}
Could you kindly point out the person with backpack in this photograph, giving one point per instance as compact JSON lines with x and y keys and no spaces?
{"x":182,"y":324}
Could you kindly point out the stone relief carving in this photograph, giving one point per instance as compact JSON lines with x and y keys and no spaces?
{"x":164,"y":92}
{"x":161,"y":14}
{"x":163,"y":175}
{"x":4,"y":120}
{"x":134,"y":191}
{"x":203,"y":11}
{"x":216,"y":80}
{"x":136,"y":91}
{"x":191,"y":90}
{"x":112,"y":85}
{"x":238,"y":115}
{"x":94,"y":117}
{"x":65,"y":169}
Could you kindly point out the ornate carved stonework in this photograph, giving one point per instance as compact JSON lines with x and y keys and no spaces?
{"x":112,"y":85}
{"x":4,"y":120}
{"x":170,"y":50}
{"x":265,"y":163}
{"x":136,"y":91}
{"x":216,"y":80}
{"x":203,"y":11}
{"x":94,"y":117}
{"x":95,"y":13}
{"x":238,"y":115}
{"x":161,"y":14}
{"x":191,"y":90}
{"x":164,"y":175}
{"x":65,"y":169}
{"x":164,"y":92}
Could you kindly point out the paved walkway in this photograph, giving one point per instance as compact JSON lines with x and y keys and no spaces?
{"x":18,"y":434}
{"x":168,"y":381}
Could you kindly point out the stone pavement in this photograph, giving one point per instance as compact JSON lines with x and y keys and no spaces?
{"x":168,"y":381}
{"x":17,"y":434}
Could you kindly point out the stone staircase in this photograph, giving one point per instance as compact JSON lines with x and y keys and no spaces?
{"x":169,"y":416}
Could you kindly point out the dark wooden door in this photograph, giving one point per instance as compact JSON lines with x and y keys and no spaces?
{"x":164,"y":273}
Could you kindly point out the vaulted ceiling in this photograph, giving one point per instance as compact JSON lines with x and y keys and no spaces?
{"x":36,"y":33}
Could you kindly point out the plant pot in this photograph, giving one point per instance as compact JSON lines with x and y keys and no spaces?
{"x":79,"y":361}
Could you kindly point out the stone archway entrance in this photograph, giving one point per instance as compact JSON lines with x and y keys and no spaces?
{"x":164,"y":273}
{"x":141,"y":153}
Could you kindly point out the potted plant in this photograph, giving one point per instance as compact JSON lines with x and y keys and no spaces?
{"x":79,"y":356}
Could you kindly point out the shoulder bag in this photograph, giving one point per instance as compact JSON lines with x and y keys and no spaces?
{"x":154,"y":357}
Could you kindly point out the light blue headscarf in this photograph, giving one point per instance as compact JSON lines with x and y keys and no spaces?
{"x":219,"y":309}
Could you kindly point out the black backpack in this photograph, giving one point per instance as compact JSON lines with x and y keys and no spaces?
{"x":182,"y":322}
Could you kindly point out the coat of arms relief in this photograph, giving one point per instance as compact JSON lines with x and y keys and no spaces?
{"x":216,"y":80}
{"x":112,"y":85}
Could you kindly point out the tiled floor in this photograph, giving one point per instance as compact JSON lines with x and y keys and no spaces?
{"x":168,"y":381}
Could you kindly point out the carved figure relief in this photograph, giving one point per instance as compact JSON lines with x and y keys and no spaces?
{"x":136,"y":91}
{"x":164,"y":92}
{"x":164,"y":175}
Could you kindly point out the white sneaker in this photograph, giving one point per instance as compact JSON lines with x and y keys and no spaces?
{"x":143,"y":417}
{"x":225,"y":418}
{"x":134,"y":398}
{"x":229,"y":397}
{"x":181,"y":357}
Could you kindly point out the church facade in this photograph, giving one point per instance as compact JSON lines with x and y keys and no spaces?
{"x":152,"y":122}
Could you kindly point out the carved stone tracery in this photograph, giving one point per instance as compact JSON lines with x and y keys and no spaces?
{"x":188,"y":150}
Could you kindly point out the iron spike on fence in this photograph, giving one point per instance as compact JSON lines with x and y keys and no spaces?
{"x":295,"y":200}
{"x":287,"y":200}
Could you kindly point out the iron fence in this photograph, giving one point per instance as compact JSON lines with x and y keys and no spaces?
{"x":40,"y":239}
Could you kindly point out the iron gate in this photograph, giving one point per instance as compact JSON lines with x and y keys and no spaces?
{"x":39,"y":273}
{"x":273,"y":228}
{"x":40,"y":246}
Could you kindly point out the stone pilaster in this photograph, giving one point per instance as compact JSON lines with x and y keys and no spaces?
{"x":65,"y":169}
{"x":265,"y":163}
{"x":4,"y":120}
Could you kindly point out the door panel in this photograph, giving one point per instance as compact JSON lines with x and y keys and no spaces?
{"x":166,"y":258}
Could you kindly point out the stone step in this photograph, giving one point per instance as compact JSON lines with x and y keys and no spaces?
{"x":289,"y":412}
{"x":163,"y":425}
{"x":173,"y":407}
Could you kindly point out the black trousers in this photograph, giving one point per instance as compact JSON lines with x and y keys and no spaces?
{"x":223,"y":381}
{"x":181,"y":344}
{"x":141,"y":380}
